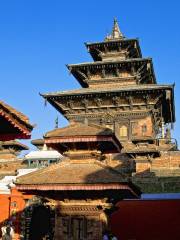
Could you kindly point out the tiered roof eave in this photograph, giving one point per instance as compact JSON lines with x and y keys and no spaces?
{"x":97,"y":63}
{"x":113,"y":42}
{"x":55,"y":98}
{"x":14,"y":143}
{"x":17,"y":124}
{"x":82,"y":77}
{"x":84,"y":91}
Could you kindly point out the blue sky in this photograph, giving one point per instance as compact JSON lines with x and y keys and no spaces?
{"x":37,"y":39}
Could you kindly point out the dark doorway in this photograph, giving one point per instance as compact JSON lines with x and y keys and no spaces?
{"x":40,"y":225}
{"x":78,"y":228}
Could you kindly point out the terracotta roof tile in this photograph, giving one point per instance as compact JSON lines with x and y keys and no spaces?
{"x":14,"y":143}
{"x":108,"y":89}
{"x":98,"y":63}
{"x":70,"y":172}
{"x":79,"y":129}
{"x":37,"y":141}
{"x":13,"y":111}
{"x":20,"y":126}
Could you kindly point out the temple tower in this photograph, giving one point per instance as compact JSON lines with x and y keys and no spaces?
{"x":119,"y":91}
{"x":116,"y":132}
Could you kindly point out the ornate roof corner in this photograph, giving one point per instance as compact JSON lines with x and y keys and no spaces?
{"x":15,"y":124}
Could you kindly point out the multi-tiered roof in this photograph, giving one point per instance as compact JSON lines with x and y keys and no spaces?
{"x":119,"y":86}
{"x":117,"y":60}
{"x":85,"y":145}
{"x":119,"y":104}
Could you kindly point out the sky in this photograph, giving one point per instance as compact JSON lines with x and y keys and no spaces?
{"x":39,"y":37}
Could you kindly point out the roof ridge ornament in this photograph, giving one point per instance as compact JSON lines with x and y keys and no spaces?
{"x":116,"y":32}
{"x":44,"y":147}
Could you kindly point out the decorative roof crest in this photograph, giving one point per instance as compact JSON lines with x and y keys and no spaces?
{"x":116,"y":33}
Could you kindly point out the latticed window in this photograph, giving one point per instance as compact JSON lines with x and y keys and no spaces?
{"x":123,"y":131}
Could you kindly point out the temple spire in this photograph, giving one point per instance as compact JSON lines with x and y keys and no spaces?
{"x":116,"y":33}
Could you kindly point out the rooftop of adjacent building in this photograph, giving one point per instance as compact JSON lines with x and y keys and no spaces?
{"x":45,"y":153}
{"x":13,"y":124}
{"x":8,"y":181}
{"x":13,"y":144}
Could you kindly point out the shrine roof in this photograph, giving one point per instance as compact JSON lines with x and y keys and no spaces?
{"x":14,"y":143}
{"x":79,"y":129}
{"x":109,"y":89}
{"x":80,"y":134}
{"x":71,"y":176}
{"x":37,"y":142}
{"x":14,"y":124}
{"x":16,"y":113}
{"x":43,"y":154}
{"x":71,"y":172}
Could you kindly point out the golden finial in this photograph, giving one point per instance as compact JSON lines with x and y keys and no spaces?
{"x":116,"y":33}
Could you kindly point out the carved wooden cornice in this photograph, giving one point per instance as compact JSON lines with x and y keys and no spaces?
{"x":142,"y":69}
{"x":131,"y":46}
{"x":102,"y":116}
{"x":114,"y":102}
{"x":112,"y":80}
{"x":80,"y":207}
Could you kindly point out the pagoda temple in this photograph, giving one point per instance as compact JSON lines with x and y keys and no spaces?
{"x":118,"y":135}
{"x":119,"y":91}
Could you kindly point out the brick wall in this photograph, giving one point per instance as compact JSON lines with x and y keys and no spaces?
{"x":138,"y":125}
{"x":167,"y":160}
